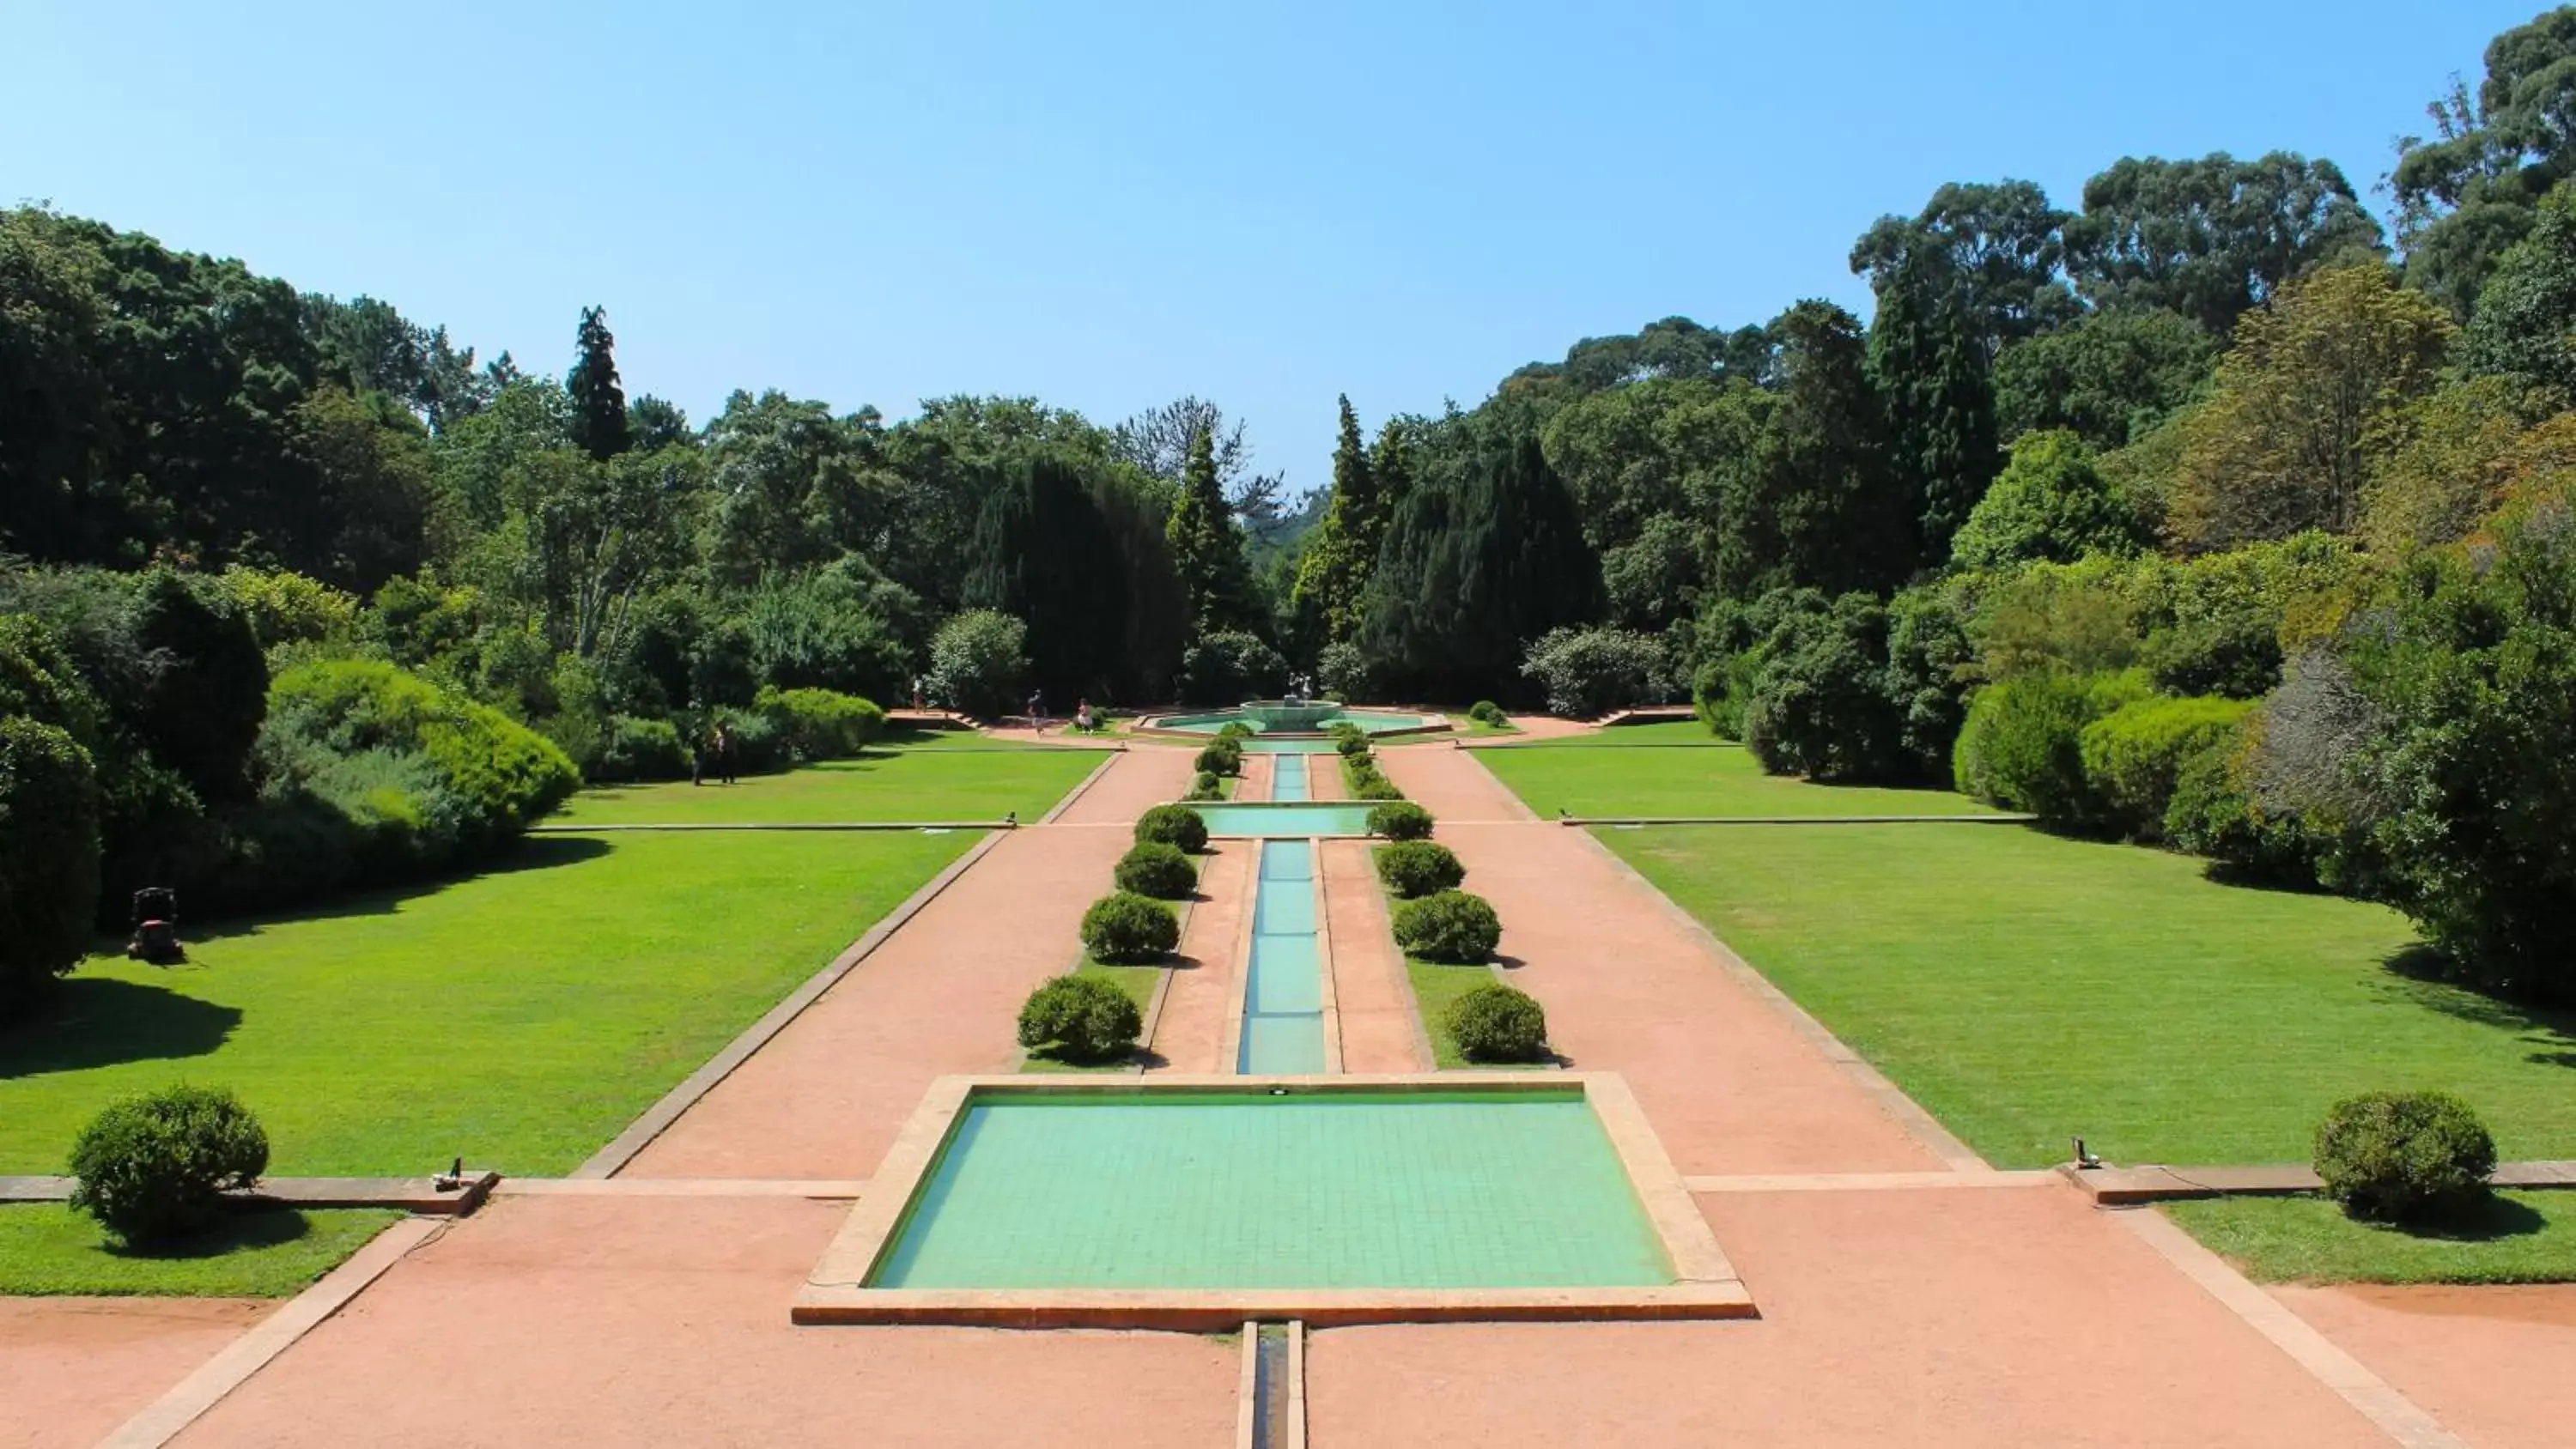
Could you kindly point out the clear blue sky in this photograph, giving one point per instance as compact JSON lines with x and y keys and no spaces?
{"x":1108,"y":206}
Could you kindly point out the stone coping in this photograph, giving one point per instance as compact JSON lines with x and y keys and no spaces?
{"x":2128,"y":1186}
{"x":420,"y":1195}
{"x":1705,"y":1283}
{"x":2000,"y":818}
{"x":1152,"y":726}
{"x":815,"y":825}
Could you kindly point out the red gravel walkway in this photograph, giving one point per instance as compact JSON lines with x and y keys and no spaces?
{"x":941,"y":995}
{"x":1370,"y":993}
{"x":72,"y":1369}
{"x":1730,"y":1087}
{"x":605,"y":1321}
{"x":2496,"y":1365}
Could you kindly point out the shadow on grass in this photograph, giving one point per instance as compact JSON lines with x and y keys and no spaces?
{"x":2423,"y":977}
{"x":234,"y":1232}
{"x":98,"y":1021}
{"x":536,"y":852}
{"x":2495,"y":1219}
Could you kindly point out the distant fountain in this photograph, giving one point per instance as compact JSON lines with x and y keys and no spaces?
{"x":1291,"y":716}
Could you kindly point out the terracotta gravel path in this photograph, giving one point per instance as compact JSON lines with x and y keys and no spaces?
{"x":2496,"y":1365}
{"x":584,"y":1320}
{"x":823,"y":1099}
{"x":1372,"y":998}
{"x":1927,"y":1319}
{"x":1730,"y":1087}
{"x":1190,"y":1036}
{"x":72,"y":1369}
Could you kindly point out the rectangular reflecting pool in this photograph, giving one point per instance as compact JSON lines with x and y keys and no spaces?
{"x":1247,"y":1191}
{"x":1198,"y":1202}
{"x":1295,"y":821}
{"x":1283,"y":996}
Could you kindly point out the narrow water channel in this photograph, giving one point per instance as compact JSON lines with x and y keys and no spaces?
{"x":1288,"y":778}
{"x":1283,"y":1006}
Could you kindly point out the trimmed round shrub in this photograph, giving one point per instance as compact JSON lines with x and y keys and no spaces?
{"x":818,"y":724}
{"x":154,"y":1167}
{"x":1084,"y":1018}
{"x":1234,"y":729}
{"x":641,"y":749}
{"x":1498,"y":1023}
{"x":2404,"y":1157}
{"x":1173,"y":825}
{"x":1225,"y":757}
{"x":1449,"y":926}
{"x":49,"y":857}
{"x":1400,"y":820}
{"x":1151,"y":868}
{"x":1205,"y":786}
{"x":1124,"y":928}
{"x":1485,"y":711}
{"x":1415,"y":868}
{"x":1376,"y":787}
{"x":1352,"y":742}
{"x":2022,"y":745}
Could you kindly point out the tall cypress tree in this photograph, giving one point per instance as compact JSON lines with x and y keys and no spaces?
{"x":598,"y":403}
{"x":1343,"y":552}
{"x":1930,"y":365}
{"x":1475,"y":565}
{"x":1044,"y":552}
{"x":1206,"y":550}
{"x":1807,"y":494}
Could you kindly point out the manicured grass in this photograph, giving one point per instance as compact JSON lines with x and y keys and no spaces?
{"x":2025,"y":988}
{"x":47,"y":1249}
{"x":2520,"y":1237}
{"x":1661,"y":734}
{"x":1437,"y":987}
{"x":518,"y":1018}
{"x":925,"y":782}
{"x":1598,"y":775}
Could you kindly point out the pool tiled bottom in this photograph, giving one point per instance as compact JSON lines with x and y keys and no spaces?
{"x":1238,"y":1191}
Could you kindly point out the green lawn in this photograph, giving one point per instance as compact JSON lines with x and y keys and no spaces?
{"x":1661,"y":733}
{"x":1436,"y":987}
{"x":518,"y":1018}
{"x":1605,"y":774}
{"x":47,"y":1249}
{"x":2024,"y":988}
{"x":2521,"y":1237}
{"x":928,"y":781}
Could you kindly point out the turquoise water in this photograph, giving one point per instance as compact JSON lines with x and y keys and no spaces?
{"x":1232,"y":1190}
{"x":1283,"y":993}
{"x":1289,"y":745}
{"x":1266,"y":822}
{"x":1288,"y":779}
{"x":1375,"y":721}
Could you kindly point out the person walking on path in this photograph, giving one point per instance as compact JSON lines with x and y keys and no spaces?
{"x":916,"y":694}
{"x":1037,"y":711}
{"x":724,"y":752}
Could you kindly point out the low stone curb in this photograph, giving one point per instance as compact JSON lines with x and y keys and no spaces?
{"x":2131,"y":1186}
{"x":418,"y":1195}
{"x":825,"y":825}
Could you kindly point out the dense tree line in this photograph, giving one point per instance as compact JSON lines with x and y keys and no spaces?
{"x":2194,"y":512}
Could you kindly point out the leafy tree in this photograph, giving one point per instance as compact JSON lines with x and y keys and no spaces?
{"x":1820,"y":705}
{"x":1158,"y":441}
{"x":2525,"y":326}
{"x":2051,"y":504}
{"x":598,"y":403}
{"x":2000,"y":242}
{"x":2465,"y":195}
{"x":1207,"y":552}
{"x":1808,"y":494}
{"x":2277,"y":448}
{"x":2213,"y":237}
{"x":653,"y":424}
{"x":793,"y":485}
{"x":49,"y":857}
{"x":372,"y":463}
{"x":2442,"y":462}
{"x":205,"y":683}
{"x":977,"y":661}
{"x":2108,"y":378}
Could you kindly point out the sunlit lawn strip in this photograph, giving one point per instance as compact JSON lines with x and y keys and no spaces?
{"x":46,"y":1249}
{"x":518,"y":1019}
{"x":1597,"y":779}
{"x":924,"y":783}
{"x":2026,"y":988}
{"x":2519,"y":1237}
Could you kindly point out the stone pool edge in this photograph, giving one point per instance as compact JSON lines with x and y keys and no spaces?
{"x":1705,"y":1284}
